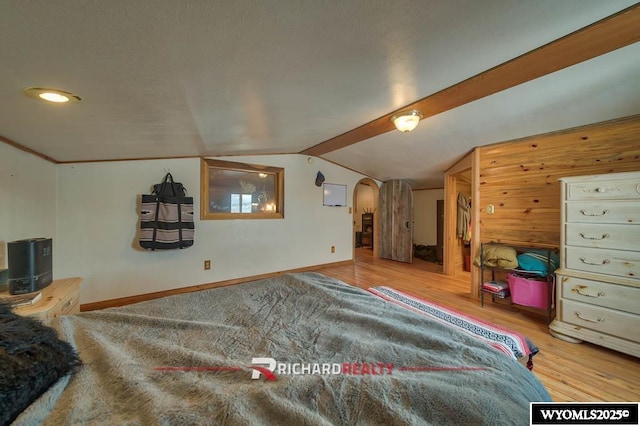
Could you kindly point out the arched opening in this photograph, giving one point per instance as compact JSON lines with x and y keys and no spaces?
{"x":365,"y":202}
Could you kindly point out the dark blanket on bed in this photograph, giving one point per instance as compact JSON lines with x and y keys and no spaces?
{"x":187,"y":359}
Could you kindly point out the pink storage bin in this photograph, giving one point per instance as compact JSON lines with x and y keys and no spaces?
{"x":529,"y":291}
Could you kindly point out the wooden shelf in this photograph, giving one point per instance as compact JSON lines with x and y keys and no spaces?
{"x":367,"y":230}
{"x":547,"y":279}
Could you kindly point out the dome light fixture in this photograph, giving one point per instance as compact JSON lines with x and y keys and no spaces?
{"x":51,"y":95}
{"x":407,"y":121}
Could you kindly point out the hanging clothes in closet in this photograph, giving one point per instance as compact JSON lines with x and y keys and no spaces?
{"x":464,"y":217}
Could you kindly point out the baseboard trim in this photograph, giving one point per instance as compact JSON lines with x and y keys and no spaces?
{"x":122,"y":301}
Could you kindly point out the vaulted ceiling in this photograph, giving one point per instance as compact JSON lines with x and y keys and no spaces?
{"x":165,"y":78}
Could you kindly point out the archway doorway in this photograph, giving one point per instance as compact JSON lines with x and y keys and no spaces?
{"x":365,"y":205}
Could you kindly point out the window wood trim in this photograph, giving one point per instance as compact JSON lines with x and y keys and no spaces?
{"x":207,"y":164}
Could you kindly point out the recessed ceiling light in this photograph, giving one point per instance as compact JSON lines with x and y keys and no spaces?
{"x":51,"y":95}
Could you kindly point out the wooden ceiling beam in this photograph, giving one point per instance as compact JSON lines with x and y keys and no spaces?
{"x":609,"y":34}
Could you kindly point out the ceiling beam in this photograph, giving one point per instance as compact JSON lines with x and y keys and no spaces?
{"x":611,"y":33}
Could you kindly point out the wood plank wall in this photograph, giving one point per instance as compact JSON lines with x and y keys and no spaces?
{"x":520,"y":178}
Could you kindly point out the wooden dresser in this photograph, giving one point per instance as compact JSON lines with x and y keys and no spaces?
{"x":61,"y":297}
{"x":598,"y":283}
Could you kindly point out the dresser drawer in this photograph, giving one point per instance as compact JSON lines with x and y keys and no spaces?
{"x":70,"y":304}
{"x":605,"y":189}
{"x":619,"y":237}
{"x":620,"y":297}
{"x":604,"y":261}
{"x":601,"y":319}
{"x":603,"y":212}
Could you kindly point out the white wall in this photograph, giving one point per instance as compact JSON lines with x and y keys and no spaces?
{"x":27,"y":199}
{"x":98,"y":217}
{"x":424,"y":216}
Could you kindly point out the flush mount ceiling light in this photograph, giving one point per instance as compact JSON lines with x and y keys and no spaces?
{"x":51,"y":95}
{"x":407,"y":121}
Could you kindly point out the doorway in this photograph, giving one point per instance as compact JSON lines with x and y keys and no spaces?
{"x":462,"y":177}
{"x":365,"y":219}
{"x":462,"y":250}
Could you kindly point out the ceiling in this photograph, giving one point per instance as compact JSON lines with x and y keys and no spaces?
{"x":165,"y":78}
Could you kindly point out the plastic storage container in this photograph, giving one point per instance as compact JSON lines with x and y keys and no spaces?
{"x":527,"y":291}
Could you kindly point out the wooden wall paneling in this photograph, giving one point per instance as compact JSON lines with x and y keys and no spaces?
{"x":520,"y":178}
{"x":594,"y":146}
{"x":521,"y":237}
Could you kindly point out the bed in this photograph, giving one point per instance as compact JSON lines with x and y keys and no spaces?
{"x":295,"y":349}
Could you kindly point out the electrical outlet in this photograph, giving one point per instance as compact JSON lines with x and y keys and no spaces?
{"x":207,"y":265}
{"x":491,"y":209}
{"x":333,"y":249}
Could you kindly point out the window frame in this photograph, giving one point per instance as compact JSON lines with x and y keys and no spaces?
{"x":207,"y":164}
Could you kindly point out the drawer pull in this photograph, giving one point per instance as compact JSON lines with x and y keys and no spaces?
{"x":600,"y":190}
{"x":601,"y":263}
{"x":594,"y":238}
{"x":579,"y":315}
{"x":585,"y":213}
{"x":581,"y":289}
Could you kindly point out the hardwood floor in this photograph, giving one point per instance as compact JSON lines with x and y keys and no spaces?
{"x":570,"y":372}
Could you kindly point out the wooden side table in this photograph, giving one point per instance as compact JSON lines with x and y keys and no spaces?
{"x":61,"y":297}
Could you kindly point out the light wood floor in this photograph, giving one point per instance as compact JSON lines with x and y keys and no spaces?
{"x":570,"y":372}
